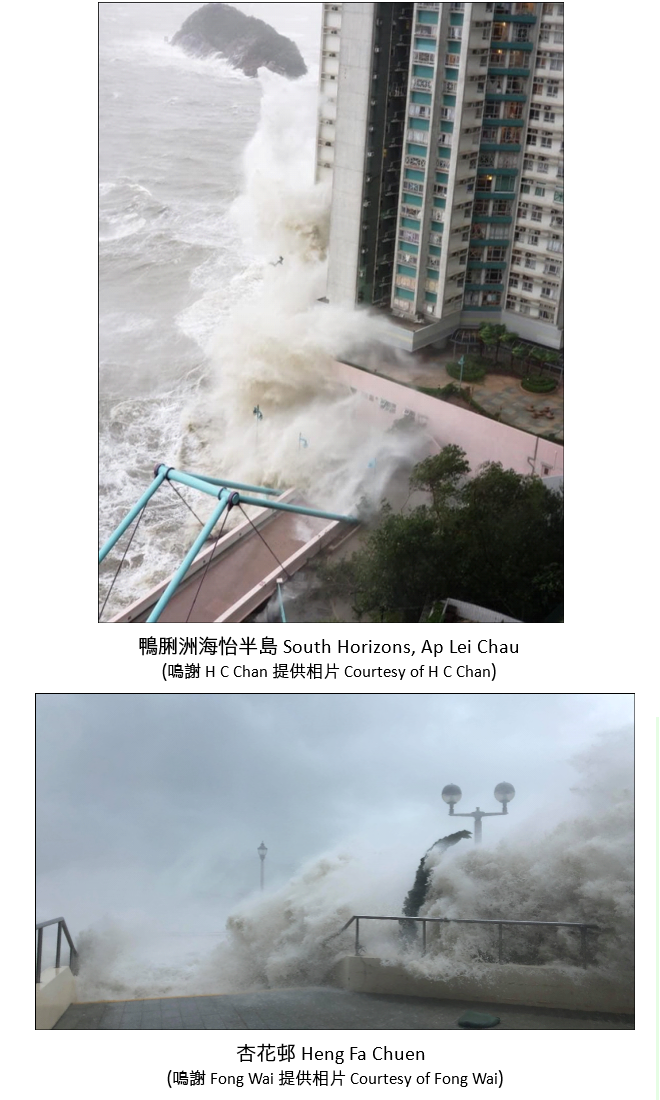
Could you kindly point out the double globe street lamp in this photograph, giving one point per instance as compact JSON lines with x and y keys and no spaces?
{"x":503,"y":792}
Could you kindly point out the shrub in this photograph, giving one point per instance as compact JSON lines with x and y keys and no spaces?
{"x":539,"y":384}
{"x":473,"y":371}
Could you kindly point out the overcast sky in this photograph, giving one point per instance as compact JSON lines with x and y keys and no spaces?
{"x":151,"y":798}
{"x":301,"y":22}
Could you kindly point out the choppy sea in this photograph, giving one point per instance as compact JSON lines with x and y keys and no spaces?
{"x":173,"y":260}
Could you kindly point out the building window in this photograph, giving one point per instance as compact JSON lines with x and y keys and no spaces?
{"x":539,"y":192}
{"x":559,"y":196}
{"x":532,"y":137}
{"x":546,"y":315}
{"x":528,"y":285}
{"x":532,"y":238}
{"x":542,"y":166}
{"x":537,"y":213}
{"x":553,"y":89}
{"x":530,"y":261}
{"x":557,"y":64}
{"x":546,"y":141}
{"x":523,"y":210}
{"x":555,"y":244}
{"x":496,"y":254}
{"x":535,"y":114}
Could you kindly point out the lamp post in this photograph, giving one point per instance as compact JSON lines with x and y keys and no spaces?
{"x":503,"y":792}
{"x":257,"y":413}
{"x":262,"y":849}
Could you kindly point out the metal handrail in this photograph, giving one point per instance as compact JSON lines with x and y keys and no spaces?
{"x":584,"y":928}
{"x":61,"y":927}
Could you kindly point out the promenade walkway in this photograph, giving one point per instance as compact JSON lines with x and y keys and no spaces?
{"x":317,"y":1009}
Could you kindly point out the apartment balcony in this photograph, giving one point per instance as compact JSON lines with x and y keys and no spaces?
{"x":510,"y":17}
{"x":410,"y":211}
{"x":429,"y":7}
{"x":487,"y":265}
{"x":493,"y":147}
{"x":426,"y":30}
{"x":418,"y":137}
{"x":491,"y":287}
{"x":421,"y":84}
{"x":495,"y":219}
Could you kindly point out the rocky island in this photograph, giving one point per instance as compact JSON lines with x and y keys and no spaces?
{"x":245,"y":42}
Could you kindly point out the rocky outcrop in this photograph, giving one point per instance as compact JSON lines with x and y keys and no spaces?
{"x":246,"y":43}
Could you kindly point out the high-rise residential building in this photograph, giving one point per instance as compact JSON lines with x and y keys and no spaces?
{"x":441,"y":129}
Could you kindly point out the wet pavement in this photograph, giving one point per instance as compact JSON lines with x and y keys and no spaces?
{"x":318,"y":1009}
{"x":500,"y":395}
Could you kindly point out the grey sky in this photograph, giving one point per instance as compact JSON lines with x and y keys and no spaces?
{"x":158,"y":799}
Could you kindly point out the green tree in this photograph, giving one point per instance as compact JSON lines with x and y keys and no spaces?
{"x":492,"y":336}
{"x":440,"y":474}
{"x":494,"y":540}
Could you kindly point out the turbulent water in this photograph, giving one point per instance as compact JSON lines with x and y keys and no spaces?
{"x":206,"y":179}
{"x":578,"y":871}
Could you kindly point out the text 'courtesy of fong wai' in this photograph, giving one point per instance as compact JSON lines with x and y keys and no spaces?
{"x":266,"y":658}
{"x":307,"y":1065}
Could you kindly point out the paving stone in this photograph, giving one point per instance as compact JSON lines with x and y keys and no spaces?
{"x":320,"y":1009}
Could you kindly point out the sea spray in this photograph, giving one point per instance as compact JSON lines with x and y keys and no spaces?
{"x":274,"y":345}
{"x":580,"y":870}
{"x":277,"y":349}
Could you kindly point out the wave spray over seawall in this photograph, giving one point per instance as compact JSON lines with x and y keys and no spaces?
{"x":262,"y":338}
{"x":580,"y":870}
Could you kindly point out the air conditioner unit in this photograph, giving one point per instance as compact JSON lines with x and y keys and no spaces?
{"x":366,"y":203}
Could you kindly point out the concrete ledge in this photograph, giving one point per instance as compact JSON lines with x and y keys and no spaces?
{"x":251,"y":600}
{"x":55,"y":992}
{"x":537,"y":986}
